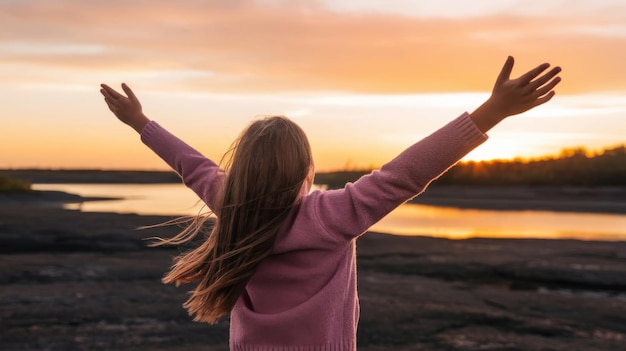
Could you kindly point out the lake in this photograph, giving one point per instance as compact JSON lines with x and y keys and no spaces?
{"x":408,"y":219}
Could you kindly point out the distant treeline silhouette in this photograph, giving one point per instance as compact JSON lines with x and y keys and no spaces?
{"x":83,"y":176}
{"x":573,"y":167}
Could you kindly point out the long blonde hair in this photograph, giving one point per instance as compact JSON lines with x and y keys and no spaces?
{"x":267,"y":169}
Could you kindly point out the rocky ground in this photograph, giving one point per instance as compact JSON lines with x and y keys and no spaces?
{"x":86,"y":281}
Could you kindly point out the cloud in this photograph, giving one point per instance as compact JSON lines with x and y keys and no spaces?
{"x":465,"y":9}
{"x":264,"y":46}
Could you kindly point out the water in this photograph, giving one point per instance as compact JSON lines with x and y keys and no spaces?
{"x":408,"y":219}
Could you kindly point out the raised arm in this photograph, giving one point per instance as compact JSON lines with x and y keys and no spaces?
{"x":348,"y":212}
{"x":198,"y":173}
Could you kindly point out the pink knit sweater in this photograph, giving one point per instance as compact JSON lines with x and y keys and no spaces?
{"x":304,"y":296}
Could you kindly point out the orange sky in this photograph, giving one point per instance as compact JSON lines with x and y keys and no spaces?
{"x":364,"y":80}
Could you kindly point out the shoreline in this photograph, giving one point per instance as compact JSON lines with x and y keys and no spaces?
{"x":556,"y":199}
{"x":78,"y":280}
{"x":511,"y":203}
{"x":46,"y":198}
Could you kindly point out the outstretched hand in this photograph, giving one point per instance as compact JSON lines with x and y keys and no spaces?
{"x":514,"y":96}
{"x":126,"y":108}
{"x":520,"y":95}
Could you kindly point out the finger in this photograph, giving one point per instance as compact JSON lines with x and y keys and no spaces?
{"x":546,"y":88}
{"x":114,"y":94}
{"x":542,"y":100}
{"x":130,"y":93}
{"x":110,"y":104}
{"x":533,"y":73}
{"x":111,"y":101}
{"x":535,"y":84}
{"x":105,"y":94}
{"x":505,"y":73}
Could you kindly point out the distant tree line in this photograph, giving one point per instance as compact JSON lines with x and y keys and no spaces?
{"x":573,"y":167}
{"x":80,"y":176}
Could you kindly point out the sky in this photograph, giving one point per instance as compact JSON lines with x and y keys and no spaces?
{"x":365,"y":79}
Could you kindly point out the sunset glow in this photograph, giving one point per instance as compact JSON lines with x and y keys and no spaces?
{"x":363,"y":80}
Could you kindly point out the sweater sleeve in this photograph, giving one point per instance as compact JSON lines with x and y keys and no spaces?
{"x":198,"y":173}
{"x":349,"y":212}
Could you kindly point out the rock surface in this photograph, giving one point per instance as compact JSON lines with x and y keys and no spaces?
{"x":86,"y":281}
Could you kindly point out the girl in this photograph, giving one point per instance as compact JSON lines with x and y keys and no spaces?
{"x":281,"y":260}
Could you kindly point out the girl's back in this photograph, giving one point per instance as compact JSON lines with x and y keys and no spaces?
{"x":304,"y":293}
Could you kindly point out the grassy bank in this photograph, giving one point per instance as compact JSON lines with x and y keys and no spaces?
{"x":11,"y":185}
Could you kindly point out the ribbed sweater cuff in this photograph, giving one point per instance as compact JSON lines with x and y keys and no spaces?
{"x":148,"y":131}
{"x":468,"y":130}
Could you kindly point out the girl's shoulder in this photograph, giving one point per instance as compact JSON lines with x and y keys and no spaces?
{"x":305,"y":227}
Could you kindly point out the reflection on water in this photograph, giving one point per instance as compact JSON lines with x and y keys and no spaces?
{"x":408,"y":219}
{"x":449,"y":222}
{"x":146,"y":199}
